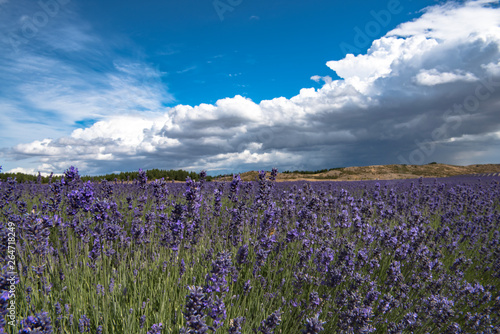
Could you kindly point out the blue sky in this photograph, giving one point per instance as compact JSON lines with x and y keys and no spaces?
{"x":236,"y":85}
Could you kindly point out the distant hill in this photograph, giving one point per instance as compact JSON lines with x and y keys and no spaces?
{"x":382,"y":172}
{"x":378,"y":172}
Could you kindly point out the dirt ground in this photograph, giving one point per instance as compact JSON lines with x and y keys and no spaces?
{"x":382,"y":172}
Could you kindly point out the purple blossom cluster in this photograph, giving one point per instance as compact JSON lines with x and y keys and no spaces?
{"x":407,"y":256}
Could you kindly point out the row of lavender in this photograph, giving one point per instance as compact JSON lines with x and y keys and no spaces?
{"x":416,"y":256}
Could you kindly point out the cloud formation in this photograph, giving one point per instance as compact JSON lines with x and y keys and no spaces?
{"x":46,"y":88}
{"x":433,"y":77}
{"x":428,"y":90}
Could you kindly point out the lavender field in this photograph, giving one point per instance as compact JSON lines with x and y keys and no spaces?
{"x":412,"y":256}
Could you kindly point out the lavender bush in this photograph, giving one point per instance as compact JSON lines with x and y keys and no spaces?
{"x":420,"y":256}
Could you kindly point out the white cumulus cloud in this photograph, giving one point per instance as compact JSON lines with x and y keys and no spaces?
{"x":433,"y":77}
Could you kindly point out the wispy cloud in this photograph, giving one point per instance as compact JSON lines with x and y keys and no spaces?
{"x":66,"y":74}
{"x":188,"y":69}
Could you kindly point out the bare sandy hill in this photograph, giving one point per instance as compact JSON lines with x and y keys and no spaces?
{"x":381,"y":172}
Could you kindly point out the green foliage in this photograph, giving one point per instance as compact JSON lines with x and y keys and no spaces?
{"x":312,"y":172}
{"x":152,"y":174}
{"x":21,"y":177}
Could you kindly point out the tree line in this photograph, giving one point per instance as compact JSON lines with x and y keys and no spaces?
{"x":152,"y":174}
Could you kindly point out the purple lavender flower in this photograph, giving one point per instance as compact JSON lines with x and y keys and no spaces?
{"x":216,"y":281}
{"x":233,"y":188}
{"x":111,"y":285}
{"x":217,"y":201}
{"x":196,"y":304}
{"x":40,"y":323}
{"x":314,"y":299}
{"x":235,"y":325}
{"x":217,"y":312}
{"x":313,"y":325}
{"x":454,"y":328}
{"x":195,"y":325}
{"x":262,"y":198}
{"x":99,"y":289}
{"x":274,"y":173}
{"x":361,"y":319}
{"x":142,"y":178}
{"x":242,"y":255}
{"x":269,"y":325}
{"x":439,"y":308}
{"x":182,"y":268}
{"x":58,"y":308}
{"x":394,"y":275}
{"x":247,"y":287}
{"x":193,"y":198}
{"x":37,"y":231}
{"x":84,"y":324}
{"x":81,"y":199}
{"x":95,"y":252}
{"x":71,"y":176}
{"x":156,"y":329}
